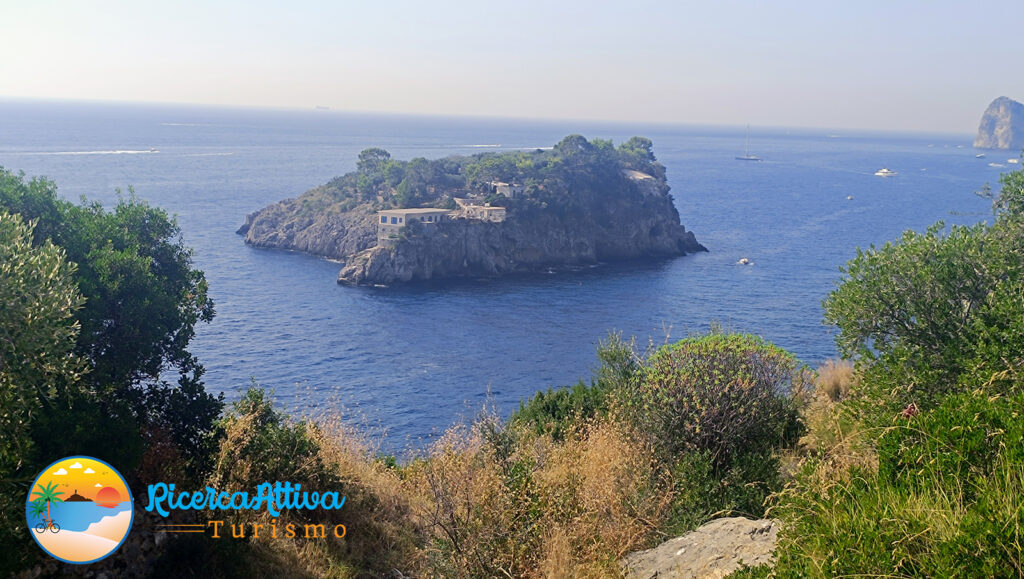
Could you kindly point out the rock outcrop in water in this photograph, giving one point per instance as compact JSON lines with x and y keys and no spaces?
{"x":290,"y":225}
{"x":1002,"y":125}
{"x":578,"y":203}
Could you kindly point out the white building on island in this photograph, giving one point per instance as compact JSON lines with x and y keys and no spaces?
{"x":510,"y":190}
{"x":485,"y":212}
{"x":391,"y":221}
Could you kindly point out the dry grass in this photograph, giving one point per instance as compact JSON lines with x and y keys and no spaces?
{"x":828,"y":425}
{"x":834,"y":440}
{"x":512,"y":503}
{"x":377,"y":509}
{"x":266,"y":446}
{"x":835,"y":378}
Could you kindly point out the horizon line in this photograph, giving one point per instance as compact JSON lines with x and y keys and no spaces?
{"x":320,"y":109}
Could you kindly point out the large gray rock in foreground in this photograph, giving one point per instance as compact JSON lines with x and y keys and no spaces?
{"x":714,"y":550}
{"x":1002,"y":126}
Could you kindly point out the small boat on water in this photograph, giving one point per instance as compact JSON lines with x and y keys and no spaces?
{"x":1014,"y":161}
{"x":980,"y":156}
{"x":747,"y":156}
{"x":996,"y":165}
{"x":744,"y":261}
{"x":885,"y":172}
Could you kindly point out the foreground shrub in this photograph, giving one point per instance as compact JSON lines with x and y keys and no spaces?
{"x":261,"y":444}
{"x":143,"y":299}
{"x":702,"y":493}
{"x":37,"y":369}
{"x":723,"y":394}
{"x":961,"y":440}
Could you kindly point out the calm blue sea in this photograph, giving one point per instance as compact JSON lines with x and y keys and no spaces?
{"x":78,"y":516}
{"x":412,"y":360}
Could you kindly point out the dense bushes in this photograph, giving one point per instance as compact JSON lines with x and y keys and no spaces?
{"x":936,"y":485}
{"x":944,"y":500}
{"x":719,"y":408}
{"x":37,"y":368}
{"x":716,"y":409}
{"x":142,"y":300}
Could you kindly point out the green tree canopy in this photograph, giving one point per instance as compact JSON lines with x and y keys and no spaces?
{"x":37,"y":333}
{"x":38,"y":299}
{"x":939,"y":310}
{"x":372,"y":160}
{"x":143,"y":298}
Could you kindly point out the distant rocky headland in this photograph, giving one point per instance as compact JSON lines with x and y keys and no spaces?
{"x":1002,"y":125}
{"x":577,"y":203}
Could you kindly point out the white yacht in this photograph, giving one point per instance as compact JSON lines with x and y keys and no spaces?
{"x":746,"y":155}
{"x":885,"y":172}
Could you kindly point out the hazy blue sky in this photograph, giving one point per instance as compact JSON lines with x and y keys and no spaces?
{"x":867,"y":64}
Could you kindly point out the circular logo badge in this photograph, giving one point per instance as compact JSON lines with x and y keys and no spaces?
{"x":79,"y":509}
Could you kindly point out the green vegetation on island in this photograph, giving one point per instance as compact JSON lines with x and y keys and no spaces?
{"x":906,"y":459}
{"x":553,"y":177}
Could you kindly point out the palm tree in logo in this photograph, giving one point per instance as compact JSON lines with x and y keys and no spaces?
{"x":45,"y":496}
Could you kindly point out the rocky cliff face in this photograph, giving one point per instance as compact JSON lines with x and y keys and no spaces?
{"x":1002,"y":126}
{"x":639,"y":222}
{"x":334,"y":235}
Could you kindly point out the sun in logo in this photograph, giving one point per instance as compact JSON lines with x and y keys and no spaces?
{"x":79,"y":509}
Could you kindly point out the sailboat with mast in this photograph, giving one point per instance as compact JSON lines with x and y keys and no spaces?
{"x":747,"y":156}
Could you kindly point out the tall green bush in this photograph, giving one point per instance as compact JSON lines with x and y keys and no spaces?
{"x":724,"y":394}
{"x":936,"y":312}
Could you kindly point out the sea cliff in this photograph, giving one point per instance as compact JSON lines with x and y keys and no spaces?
{"x":580,"y":202}
{"x":1002,"y":125}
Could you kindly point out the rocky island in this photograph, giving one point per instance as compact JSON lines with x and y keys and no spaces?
{"x":1002,"y":126}
{"x":577,"y":203}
